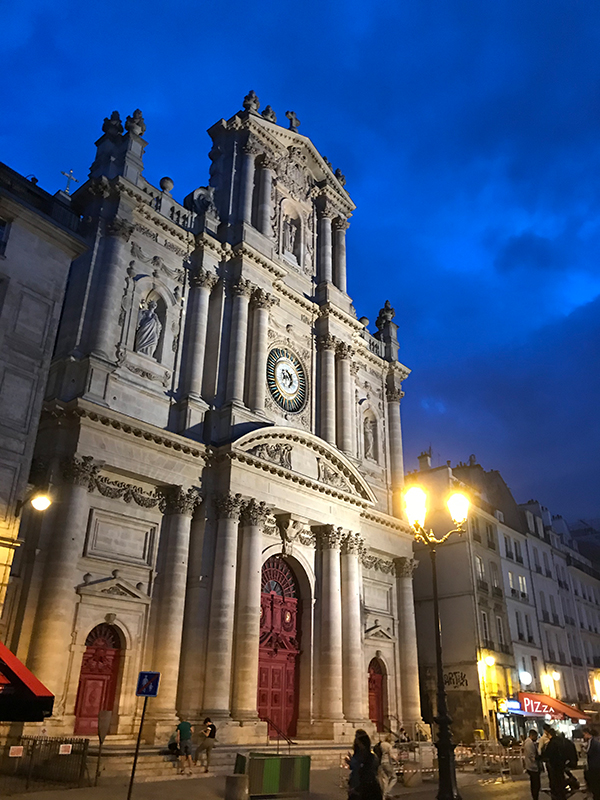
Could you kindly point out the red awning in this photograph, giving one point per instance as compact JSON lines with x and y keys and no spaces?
{"x":538,"y":705}
{"x":23,"y":698}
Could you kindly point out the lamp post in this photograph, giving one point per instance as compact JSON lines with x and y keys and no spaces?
{"x":416,"y":510}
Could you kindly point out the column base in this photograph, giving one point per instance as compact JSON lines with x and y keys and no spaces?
{"x":158,"y":730}
{"x":235,"y":731}
{"x":332,"y":730}
{"x":191,"y":412}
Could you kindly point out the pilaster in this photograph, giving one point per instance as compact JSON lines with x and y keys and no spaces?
{"x":241,"y":291}
{"x":327,"y":396}
{"x":409,"y":666}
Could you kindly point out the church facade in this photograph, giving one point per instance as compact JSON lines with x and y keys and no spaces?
{"x":222,"y":439}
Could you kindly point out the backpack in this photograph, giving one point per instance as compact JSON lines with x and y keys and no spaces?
{"x":378,"y":751}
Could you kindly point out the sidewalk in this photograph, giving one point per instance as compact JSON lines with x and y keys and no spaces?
{"x":325,"y":785}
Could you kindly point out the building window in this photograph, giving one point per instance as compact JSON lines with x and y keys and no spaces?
{"x":508,"y":551}
{"x":518,"y":551}
{"x":543,"y":603}
{"x":494,"y":575}
{"x":519,"y":625}
{"x":522,"y":585}
{"x":479,"y":568}
{"x":536,"y":560}
{"x":547,"y":569}
{"x":485,"y":627}
{"x":491,"y":536}
{"x":528,"y":628}
{"x":3,"y":235}
{"x":500,"y":629}
{"x":534,"y":669}
{"x":539,"y":525}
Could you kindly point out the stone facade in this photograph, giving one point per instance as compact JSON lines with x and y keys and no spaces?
{"x":214,"y":404}
{"x":38,"y":240}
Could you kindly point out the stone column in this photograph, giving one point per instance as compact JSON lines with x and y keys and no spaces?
{"x":326,"y":345}
{"x":247,"y":184}
{"x":108,"y":290}
{"x":340,"y":226}
{"x":261,"y":303}
{"x":394,"y":396}
{"x":55,"y":615}
{"x":201,"y":284}
{"x":324,"y":245}
{"x":237,"y":344}
{"x":219,"y":650}
{"x":354,"y":677}
{"x":265,"y":209}
{"x":178,"y":506}
{"x":345,"y":399}
{"x":330,"y":645}
{"x":407,"y":641}
{"x":247,"y":618}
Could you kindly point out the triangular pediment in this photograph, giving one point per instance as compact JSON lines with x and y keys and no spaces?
{"x":377,"y":632}
{"x":114,"y":587}
{"x":297,"y":452}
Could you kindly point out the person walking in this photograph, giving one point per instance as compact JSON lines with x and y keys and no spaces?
{"x":208,"y":739}
{"x":592,"y":771}
{"x":559,"y":754}
{"x":388,"y":766}
{"x":363,"y":763}
{"x":532,"y":763}
{"x":184,"y":742}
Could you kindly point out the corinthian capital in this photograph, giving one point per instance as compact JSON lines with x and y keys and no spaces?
{"x":330,"y":537}
{"x":405,"y":566}
{"x":177,"y":500}
{"x":229,"y":506}
{"x":353,"y":544}
{"x":120,"y":228}
{"x":262,"y":299}
{"x":326,"y":342}
{"x":254,"y":513}
{"x":81,"y":471}
{"x":393,"y":395}
{"x":242,"y":287}
{"x":340,"y":224}
{"x":203,"y":278}
{"x":344,"y":350}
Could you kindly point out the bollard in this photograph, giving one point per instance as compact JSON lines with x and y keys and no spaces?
{"x":236,"y":787}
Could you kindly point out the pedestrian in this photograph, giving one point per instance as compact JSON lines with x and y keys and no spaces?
{"x":208,"y":739}
{"x":592,"y":771}
{"x":545,"y":738}
{"x":363,"y":763}
{"x":388,"y":766}
{"x":184,"y":741}
{"x":532,"y":763}
{"x":560,"y":755}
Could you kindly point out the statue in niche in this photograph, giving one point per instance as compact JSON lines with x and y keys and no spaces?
{"x":148,"y":330}
{"x":369,"y":434}
{"x":290,"y":234}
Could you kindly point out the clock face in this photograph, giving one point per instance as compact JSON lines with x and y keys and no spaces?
{"x":286,"y":379}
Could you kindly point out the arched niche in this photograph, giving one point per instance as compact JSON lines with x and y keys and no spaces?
{"x":292,"y":234}
{"x":370,"y":436}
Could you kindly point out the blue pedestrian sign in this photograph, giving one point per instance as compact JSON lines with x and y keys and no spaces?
{"x":147,"y":685}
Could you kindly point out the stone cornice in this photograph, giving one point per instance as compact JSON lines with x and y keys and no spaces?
{"x":295,"y":297}
{"x":82,"y":410}
{"x":219,"y":249}
{"x":328,"y":309}
{"x":244,"y":250}
{"x":387,"y":521}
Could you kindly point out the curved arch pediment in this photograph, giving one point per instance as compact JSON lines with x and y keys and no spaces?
{"x":306,"y":454}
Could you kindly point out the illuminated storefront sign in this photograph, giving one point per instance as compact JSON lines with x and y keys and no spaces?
{"x":541,"y":705}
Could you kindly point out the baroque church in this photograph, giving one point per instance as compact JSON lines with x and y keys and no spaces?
{"x":221,"y":438}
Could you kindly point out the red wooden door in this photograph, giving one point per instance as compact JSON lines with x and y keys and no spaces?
{"x":376,"y":693}
{"x":279,"y":648}
{"x":98,"y":678}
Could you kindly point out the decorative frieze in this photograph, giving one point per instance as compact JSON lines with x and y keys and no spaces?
{"x":292,"y":532}
{"x":177,"y":500}
{"x":120,"y":228}
{"x":254,"y":513}
{"x":326,"y":474}
{"x":229,"y":506}
{"x":278,"y":453}
{"x":157,"y":262}
{"x":81,"y":471}
{"x":384,"y":565}
{"x":119,"y":490}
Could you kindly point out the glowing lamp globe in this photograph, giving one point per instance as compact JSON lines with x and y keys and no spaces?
{"x":41,"y":502}
{"x":415,"y":504}
{"x":525,"y":678}
{"x":489,"y":661}
{"x":555,"y":676}
{"x":458,"y":506}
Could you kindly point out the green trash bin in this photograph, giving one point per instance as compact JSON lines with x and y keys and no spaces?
{"x":272,"y":775}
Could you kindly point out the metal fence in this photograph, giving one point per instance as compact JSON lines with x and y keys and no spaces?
{"x":37,"y":763}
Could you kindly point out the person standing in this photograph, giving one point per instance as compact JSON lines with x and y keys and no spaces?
{"x":184,"y":741}
{"x":363,"y":763}
{"x":388,"y":767}
{"x":532,"y":763}
{"x":208,"y":739}
{"x":592,"y":771}
{"x":556,"y":755}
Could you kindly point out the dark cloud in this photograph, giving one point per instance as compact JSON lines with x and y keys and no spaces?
{"x":469,"y":133}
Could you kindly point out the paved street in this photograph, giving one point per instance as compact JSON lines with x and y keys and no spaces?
{"x":325,"y":786}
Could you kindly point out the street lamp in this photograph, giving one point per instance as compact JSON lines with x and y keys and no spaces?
{"x":415,"y":500}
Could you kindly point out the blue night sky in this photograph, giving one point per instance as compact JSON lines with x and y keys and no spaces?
{"x":469,"y":133}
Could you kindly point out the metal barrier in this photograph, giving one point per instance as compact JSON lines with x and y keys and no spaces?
{"x":38,"y":763}
{"x":493,"y":758}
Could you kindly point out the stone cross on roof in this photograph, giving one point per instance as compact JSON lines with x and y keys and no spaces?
{"x":70,"y":177}
{"x":294,"y":121}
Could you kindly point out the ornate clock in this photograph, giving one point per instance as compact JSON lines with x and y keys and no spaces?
{"x":286,"y":379}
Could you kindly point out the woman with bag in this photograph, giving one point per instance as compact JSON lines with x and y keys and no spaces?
{"x":363,"y":763}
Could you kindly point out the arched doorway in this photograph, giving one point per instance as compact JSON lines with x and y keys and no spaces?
{"x":98,"y":677}
{"x":279,"y":647}
{"x":376,"y":693}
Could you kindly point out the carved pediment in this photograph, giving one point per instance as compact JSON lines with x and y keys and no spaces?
{"x":113,"y":587}
{"x":377,"y":631}
{"x":293,"y":452}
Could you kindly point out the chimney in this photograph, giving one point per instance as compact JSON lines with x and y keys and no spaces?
{"x":424,"y":461}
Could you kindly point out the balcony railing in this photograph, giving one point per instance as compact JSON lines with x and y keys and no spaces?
{"x":496,"y":591}
{"x":504,"y":648}
{"x":518,"y":559}
{"x":551,"y":655}
{"x":545,"y":616}
{"x":477,"y":536}
{"x":524,"y":596}
{"x":489,"y":644}
{"x":483,"y":585}
{"x":491,"y":543}
{"x":510,"y":554}
{"x":531,"y":639}
{"x":563,"y":584}
{"x":538,"y":568}
{"x":555,"y":619}
{"x":514,"y":592}
{"x":597,"y":661}
{"x":561,"y":658}
{"x":521,"y":636}
{"x":569,"y":620}
{"x":577,"y":661}
{"x":548,"y":573}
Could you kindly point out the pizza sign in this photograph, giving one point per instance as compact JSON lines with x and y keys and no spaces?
{"x":532,"y":706}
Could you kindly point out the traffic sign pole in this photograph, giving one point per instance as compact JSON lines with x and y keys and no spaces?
{"x":137,"y":749}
